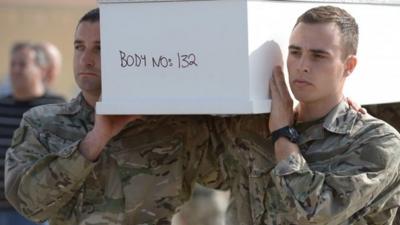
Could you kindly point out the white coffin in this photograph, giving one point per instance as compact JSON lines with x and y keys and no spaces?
{"x":188,"y":57}
{"x":216,"y":56}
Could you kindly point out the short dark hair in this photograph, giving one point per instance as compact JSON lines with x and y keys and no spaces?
{"x":346,"y":23}
{"x":91,"y":16}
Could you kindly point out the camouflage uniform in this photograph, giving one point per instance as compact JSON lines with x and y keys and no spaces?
{"x":347,"y":173}
{"x":47,"y":177}
{"x":143,"y":174}
{"x":391,"y":114}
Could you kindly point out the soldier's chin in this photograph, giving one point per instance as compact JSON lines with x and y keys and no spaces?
{"x":303,"y":97}
{"x":90,"y":87}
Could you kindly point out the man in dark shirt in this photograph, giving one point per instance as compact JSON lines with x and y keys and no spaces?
{"x":27,"y":71}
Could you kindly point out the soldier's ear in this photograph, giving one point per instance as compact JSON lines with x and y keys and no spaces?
{"x":350,"y":64}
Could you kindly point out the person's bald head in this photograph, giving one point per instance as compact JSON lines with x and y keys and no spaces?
{"x":55,"y":62}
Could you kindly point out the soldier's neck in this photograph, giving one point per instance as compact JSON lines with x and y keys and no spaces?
{"x":90,"y":98}
{"x":311,"y":111}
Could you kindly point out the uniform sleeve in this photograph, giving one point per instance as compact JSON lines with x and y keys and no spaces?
{"x":223,"y":158}
{"x":40,"y":181}
{"x":367,"y":173}
{"x":202,"y":160}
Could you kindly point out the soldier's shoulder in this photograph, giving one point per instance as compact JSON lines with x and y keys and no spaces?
{"x":369,"y":125}
{"x":44,"y":113}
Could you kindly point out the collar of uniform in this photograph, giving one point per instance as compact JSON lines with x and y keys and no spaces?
{"x":314,"y":132}
{"x":340,"y":119}
{"x":78,"y":105}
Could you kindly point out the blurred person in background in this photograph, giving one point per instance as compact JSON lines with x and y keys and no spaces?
{"x":27,"y":72}
{"x":5,"y":86}
{"x":52,"y":67}
{"x":54,"y":57}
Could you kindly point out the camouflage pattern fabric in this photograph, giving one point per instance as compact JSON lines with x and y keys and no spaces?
{"x":391,"y":114}
{"x":142,"y":176}
{"x":347,"y":173}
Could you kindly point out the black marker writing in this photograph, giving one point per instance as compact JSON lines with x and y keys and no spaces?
{"x":180,"y":61}
{"x":162,"y":61}
{"x":187,"y":60}
{"x":132,"y":60}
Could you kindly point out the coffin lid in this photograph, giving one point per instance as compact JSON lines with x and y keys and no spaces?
{"x":372,"y":2}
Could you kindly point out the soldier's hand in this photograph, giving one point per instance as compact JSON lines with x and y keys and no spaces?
{"x":105,"y":127}
{"x":282,"y":104}
{"x":356,"y":106}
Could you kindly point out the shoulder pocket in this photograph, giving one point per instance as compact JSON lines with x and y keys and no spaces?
{"x":55,"y":143}
{"x":18,"y":136}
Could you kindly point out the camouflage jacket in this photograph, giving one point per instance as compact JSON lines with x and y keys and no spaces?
{"x":390,"y":113}
{"x":347,"y":173}
{"x":143,"y":174}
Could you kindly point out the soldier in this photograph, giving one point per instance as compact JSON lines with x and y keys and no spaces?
{"x":332,"y":164}
{"x":390,"y":113}
{"x":70,"y":166}
{"x":73,"y":167}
